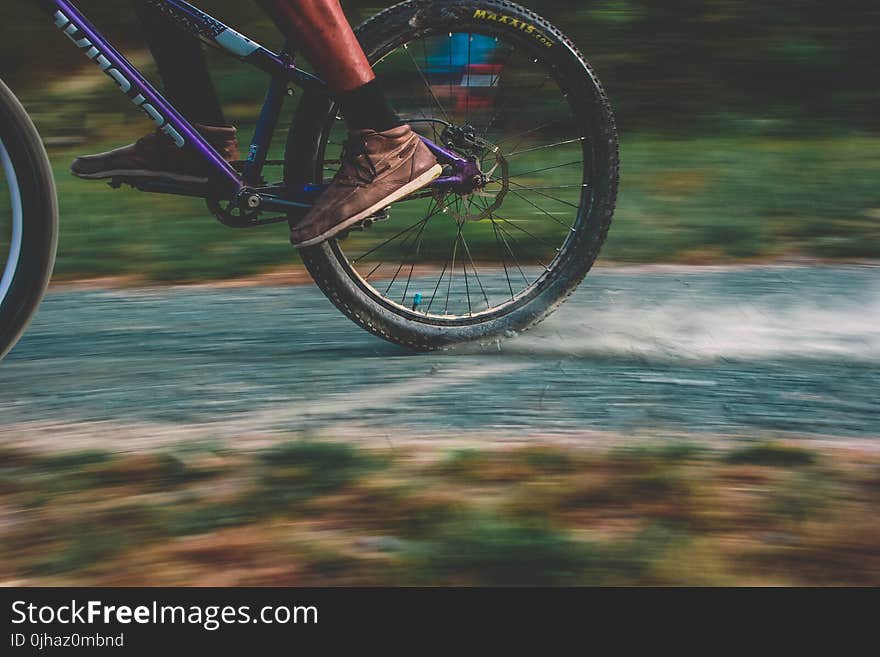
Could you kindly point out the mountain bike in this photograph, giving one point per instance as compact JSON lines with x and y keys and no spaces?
{"x":510,"y":107}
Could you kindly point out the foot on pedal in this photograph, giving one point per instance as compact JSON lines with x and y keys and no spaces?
{"x":161,"y":185}
{"x":367,"y":222}
{"x":154,"y":161}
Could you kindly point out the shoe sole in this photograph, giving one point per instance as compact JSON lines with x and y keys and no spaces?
{"x":413,"y":185}
{"x":140,"y":173}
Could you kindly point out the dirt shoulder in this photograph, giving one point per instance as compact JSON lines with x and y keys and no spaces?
{"x":298,"y":275}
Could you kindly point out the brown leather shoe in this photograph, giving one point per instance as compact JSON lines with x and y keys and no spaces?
{"x":378,"y":168}
{"x":155,"y":156}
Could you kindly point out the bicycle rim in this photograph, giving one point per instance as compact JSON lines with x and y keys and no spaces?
{"x":11,"y":222}
{"x":465,"y":258}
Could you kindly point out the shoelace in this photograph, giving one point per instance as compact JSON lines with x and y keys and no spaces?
{"x":357,"y":166}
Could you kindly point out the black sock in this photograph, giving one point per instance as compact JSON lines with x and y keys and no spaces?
{"x":182,"y":66}
{"x":368,"y":107}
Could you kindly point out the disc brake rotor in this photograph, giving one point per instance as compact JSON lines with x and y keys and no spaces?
{"x":470,"y":210}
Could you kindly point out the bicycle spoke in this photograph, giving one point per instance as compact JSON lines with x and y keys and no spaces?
{"x":532,"y":94}
{"x":386,"y":242}
{"x":540,"y":148}
{"x":382,"y":262}
{"x":423,"y":222}
{"x":467,"y":94}
{"x":373,"y":270}
{"x":417,"y":244}
{"x":501,"y":228}
{"x":523,"y":230}
{"x":498,"y":95}
{"x":470,"y":204}
{"x":425,"y":60}
{"x":510,"y":250}
{"x":535,"y":190}
{"x":555,"y":166}
{"x":581,"y":186}
{"x":496,"y":228}
{"x":525,"y":133}
{"x":503,"y":259}
{"x":437,"y":287}
{"x":540,"y":209}
{"x":474,"y":268}
{"x":452,"y":269}
{"x":492,"y":217}
{"x":482,"y":88}
{"x":467,"y":288}
{"x":427,"y":84}
{"x":449,"y":73}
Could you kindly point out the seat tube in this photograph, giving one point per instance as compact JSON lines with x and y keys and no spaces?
{"x":264,"y":131}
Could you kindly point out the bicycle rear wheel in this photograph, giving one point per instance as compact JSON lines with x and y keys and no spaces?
{"x":28,"y":219}
{"x":498,"y":83}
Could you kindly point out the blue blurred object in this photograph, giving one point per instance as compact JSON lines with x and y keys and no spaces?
{"x":448,"y":62}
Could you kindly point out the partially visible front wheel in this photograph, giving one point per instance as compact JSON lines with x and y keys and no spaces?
{"x":28,"y":219}
{"x":497,"y":83}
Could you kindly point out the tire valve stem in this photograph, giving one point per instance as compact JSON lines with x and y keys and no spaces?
{"x":417,"y":300}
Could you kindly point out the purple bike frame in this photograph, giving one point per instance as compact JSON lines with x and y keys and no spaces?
{"x":225,"y":180}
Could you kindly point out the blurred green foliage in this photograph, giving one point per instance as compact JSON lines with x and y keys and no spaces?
{"x":701,"y":200}
{"x":665,"y":64}
{"x":771,"y":454}
{"x":748,"y":132}
{"x":313,"y":512}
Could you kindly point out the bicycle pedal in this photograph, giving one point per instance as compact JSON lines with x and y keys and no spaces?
{"x":160,"y":186}
{"x":367,"y":222}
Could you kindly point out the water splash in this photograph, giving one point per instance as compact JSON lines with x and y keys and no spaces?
{"x":700,"y":316}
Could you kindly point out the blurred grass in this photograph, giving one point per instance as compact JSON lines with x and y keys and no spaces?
{"x":749,"y":189}
{"x":675,"y":65}
{"x":696,"y":201}
{"x":771,"y":454}
{"x":314,"y":512}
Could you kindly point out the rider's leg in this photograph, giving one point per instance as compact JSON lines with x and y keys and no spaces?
{"x":180,"y":59}
{"x":323,"y":33}
{"x":384,"y":159}
{"x":187,"y":83}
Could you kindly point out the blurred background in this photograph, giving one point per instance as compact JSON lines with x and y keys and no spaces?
{"x":748,"y":130}
{"x":702,"y":411}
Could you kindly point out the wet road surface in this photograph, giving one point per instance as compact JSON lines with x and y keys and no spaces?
{"x":781,"y":350}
